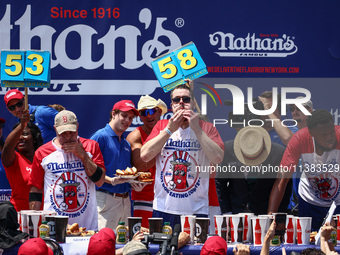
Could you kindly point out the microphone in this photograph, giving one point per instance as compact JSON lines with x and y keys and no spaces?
{"x":174,"y":239}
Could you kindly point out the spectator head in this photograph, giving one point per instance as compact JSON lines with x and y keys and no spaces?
{"x":66,"y":126}
{"x":135,"y":248}
{"x":299,"y":116}
{"x":36,"y":134}
{"x":58,"y":107}
{"x":321,"y":127}
{"x":36,"y":246}
{"x":122,"y":115}
{"x":65,"y":121}
{"x":14,"y":101}
{"x":214,"y":245}
{"x":312,"y":251}
{"x":102,"y":243}
{"x":252,"y":145}
{"x":150,"y":110}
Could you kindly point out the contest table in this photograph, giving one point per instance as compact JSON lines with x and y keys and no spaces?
{"x":80,"y":248}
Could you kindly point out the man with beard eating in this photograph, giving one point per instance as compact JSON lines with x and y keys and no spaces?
{"x":318,"y":145}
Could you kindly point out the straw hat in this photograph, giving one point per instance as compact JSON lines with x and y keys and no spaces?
{"x":147,"y":102}
{"x":252,"y":145}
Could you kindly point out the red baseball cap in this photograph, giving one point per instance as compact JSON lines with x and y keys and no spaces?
{"x":13,"y":94}
{"x":125,"y":106}
{"x":2,"y":120}
{"x":35,"y":246}
{"x":102,"y":243}
{"x":214,"y":245}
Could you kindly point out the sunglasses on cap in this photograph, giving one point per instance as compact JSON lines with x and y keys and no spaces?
{"x":18,"y":104}
{"x":145,"y":112}
{"x":185,"y":100}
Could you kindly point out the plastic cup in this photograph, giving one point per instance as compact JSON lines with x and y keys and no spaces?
{"x":202,"y":228}
{"x":60,"y":228}
{"x":155,"y":225}
{"x":303,"y":229}
{"x":260,"y":227}
{"x":188,"y":224}
{"x":236,"y":228}
{"x":134,"y":223}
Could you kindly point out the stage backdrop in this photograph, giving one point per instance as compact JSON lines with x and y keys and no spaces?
{"x":101,"y":51}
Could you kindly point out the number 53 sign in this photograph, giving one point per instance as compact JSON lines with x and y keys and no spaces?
{"x":173,"y":68}
{"x":25,"y":68}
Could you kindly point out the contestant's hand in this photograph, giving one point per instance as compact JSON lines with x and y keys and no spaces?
{"x":138,"y":186}
{"x":25,"y":118}
{"x":118,"y":180}
{"x":176,"y":120}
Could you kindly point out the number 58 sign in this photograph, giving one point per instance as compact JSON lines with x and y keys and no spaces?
{"x":25,"y":68}
{"x":173,"y":68}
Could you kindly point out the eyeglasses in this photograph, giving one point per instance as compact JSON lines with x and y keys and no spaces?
{"x":145,"y":112}
{"x":18,"y":104}
{"x":185,"y":100}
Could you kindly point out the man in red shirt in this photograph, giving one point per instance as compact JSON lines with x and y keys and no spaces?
{"x":150,"y":111}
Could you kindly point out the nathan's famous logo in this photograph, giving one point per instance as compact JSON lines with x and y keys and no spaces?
{"x":71,"y":194}
{"x":252,"y":46}
{"x":139,"y":52}
{"x":251,"y":113}
{"x":325,"y":186}
{"x":180,"y":177}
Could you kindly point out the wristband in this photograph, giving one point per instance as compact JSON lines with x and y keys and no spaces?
{"x":97,"y":175}
{"x":34,"y":196}
{"x":168,"y":131}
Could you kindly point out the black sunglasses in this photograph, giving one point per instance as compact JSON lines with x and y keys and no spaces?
{"x":18,"y":104}
{"x":2,"y":125}
{"x":145,"y":112}
{"x":185,"y":100}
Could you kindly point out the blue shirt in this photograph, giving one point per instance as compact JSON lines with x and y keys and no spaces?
{"x":44,"y":119}
{"x":117,"y":155}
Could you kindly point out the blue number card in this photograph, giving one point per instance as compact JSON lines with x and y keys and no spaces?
{"x":173,"y":68}
{"x":25,"y":68}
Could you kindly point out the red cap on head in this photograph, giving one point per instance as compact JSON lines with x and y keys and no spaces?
{"x":214,"y":245}
{"x":2,"y":120}
{"x":35,"y":246}
{"x":125,"y":106}
{"x":102,"y":243}
{"x":13,"y":94}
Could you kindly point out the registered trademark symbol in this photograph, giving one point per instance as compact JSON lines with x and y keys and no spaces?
{"x":179,"y":22}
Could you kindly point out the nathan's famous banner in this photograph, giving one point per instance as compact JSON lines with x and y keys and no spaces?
{"x":101,"y":52}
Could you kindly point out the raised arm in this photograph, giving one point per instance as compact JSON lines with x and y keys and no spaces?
{"x":278,"y":191}
{"x":8,"y":153}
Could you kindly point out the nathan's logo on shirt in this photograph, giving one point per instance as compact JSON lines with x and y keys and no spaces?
{"x":184,"y":145}
{"x":180,"y":180}
{"x":325,"y":186}
{"x":69,"y":194}
{"x":69,"y":165}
